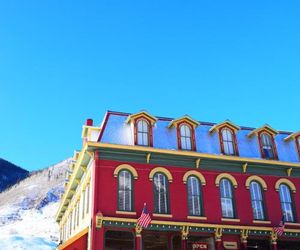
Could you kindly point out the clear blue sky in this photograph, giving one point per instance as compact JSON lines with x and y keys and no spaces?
{"x":64,"y":61}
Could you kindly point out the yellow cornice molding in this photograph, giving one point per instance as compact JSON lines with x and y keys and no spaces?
{"x":186,"y":119}
{"x":126,"y":167}
{"x":192,"y":154}
{"x":226,"y":123}
{"x":257,"y":179}
{"x":266,"y":127}
{"x":161,"y":170}
{"x":287,"y":182}
{"x":226,"y":176}
{"x":71,"y":180}
{"x":140,"y":115}
{"x":194,"y":173}
{"x":292,"y":136}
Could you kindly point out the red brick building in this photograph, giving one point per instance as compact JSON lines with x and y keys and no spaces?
{"x":206,"y":186}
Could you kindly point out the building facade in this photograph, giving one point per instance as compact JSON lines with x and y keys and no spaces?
{"x":206,"y":186}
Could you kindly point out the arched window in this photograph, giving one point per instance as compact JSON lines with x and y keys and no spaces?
{"x":257,"y":201}
{"x":228,"y":142}
{"x":286,"y":202}
{"x":125,"y":191}
{"x":227,"y":199}
{"x":142,"y":133}
{"x":161,"y":194}
{"x":194,"y":196}
{"x":267,"y":146}
{"x":185,"y":137}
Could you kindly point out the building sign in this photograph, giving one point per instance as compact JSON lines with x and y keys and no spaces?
{"x":199,"y":245}
{"x":230,"y":245}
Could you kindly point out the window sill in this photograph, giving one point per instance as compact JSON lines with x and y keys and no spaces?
{"x":191,"y":217}
{"x":230,"y":219}
{"x":261,"y":221}
{"x":126,"y":212}
{"x":292,"y":224}
{"x":163,"y":215}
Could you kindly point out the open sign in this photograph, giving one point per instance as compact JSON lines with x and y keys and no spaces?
{"x":199,"y":245}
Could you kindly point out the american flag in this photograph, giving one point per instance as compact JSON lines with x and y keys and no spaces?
{"x":279,"y":229}
{"x":145,"y":218}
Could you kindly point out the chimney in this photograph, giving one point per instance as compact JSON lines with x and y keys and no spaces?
{"x":89,"y":122}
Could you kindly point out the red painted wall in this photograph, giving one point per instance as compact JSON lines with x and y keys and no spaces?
{"x":79,"y":244}
{"x":143,"y":192}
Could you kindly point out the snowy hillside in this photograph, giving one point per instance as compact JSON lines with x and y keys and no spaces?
{"x":27,"y":210}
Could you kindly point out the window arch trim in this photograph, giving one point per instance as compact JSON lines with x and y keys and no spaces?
{"x":286,"y":182}
{"x":226,"y":176}
{"x":257,"y":179}
{"x":161,"y":170}
{"x":194,"y":173}
{"x":128,"y":168}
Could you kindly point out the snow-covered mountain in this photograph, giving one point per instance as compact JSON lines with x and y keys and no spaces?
{"x":27,"y":210}
{"x":10,"y":174}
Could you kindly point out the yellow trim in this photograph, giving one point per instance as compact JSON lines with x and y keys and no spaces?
{"x":163,"y":215}
{"x":127,"y":167}
{"x":227,"y":123}
{"x":140,"y":115}
{"x":162,"y":170}
{"x":191,"y":154}
{"x":287,"y":182}
{"x":227,"y":176}
{"x":196,"y":217}
{"x":292,"y":224}
{"x":126,"y":212}
{"x":72,"y":239}
{"x":186,"y":119}
{"x":194,"y":224}
{"x":258,"y":179}
{"x":262,"y":222}
{"x":195,"y":173}
{"x":266,"y":127}
{"x":230,"y":220}
{"x":292,"y":136}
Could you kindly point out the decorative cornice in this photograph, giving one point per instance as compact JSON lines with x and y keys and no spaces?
{"x":292,"y":136}
{"x":186,"y":119}
{"x":226,"y":123}
{"x":266,"y":128}
{"x":142,"y":114}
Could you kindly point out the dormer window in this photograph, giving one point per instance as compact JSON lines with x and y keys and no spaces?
{"x":294,"y":136}
{"x":142,"y":124}
{"x":266,"y":141}
{"x":185,"y":138}
{"x":267,"y":147}
{"x":227,"y":137}
{"x":228,"y":142}
{"x":185,"y":127}
{"x":142,"y":133}
{"x":298,"y":145}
